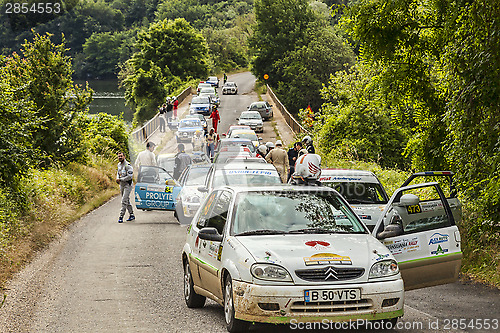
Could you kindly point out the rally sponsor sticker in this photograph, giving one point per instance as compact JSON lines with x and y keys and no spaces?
{"x":327,"y":259}
{"x":403,"y":245}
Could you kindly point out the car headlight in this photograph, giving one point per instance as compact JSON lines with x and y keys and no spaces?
{"x":383,"y":269}
{"x":270,"y":272}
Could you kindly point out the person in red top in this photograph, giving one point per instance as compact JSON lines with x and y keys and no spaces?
{"x":215,"y":118}
{"x":176,"y":104}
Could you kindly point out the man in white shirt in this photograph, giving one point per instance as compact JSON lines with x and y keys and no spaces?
{"x":146,"y":157}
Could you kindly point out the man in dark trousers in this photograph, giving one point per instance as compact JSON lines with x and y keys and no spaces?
{"x":293,"y":153}
{"x":124,"y":177}
{"x":182,"y":160}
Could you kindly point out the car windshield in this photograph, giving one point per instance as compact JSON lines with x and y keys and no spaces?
{"x":250,"y":116}
{"x":200,"y":100}
{"x":359,"y":193}
{"x":229,"y":84}
{"x":246,"y":177}
{"x":189,"y":123}
{"x":207,"y":90}
{"x":196,"y":176}
{"x":249,"y":136}
{"x":293,"y":212}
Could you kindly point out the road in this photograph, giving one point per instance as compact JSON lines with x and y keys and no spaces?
{"x":101,"y":276}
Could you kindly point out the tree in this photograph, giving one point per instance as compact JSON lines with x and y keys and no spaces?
{"x":43,"y":76}
{"x":168,"y":51}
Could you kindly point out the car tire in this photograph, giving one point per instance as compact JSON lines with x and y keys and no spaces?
{"x":232,"y":324}
{"x":193,"y":300}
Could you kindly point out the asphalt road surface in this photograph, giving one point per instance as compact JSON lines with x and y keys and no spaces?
{"x":101,"y":276}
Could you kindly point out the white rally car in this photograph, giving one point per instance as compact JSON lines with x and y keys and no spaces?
{"x":285,"y":254}
{"x":361,"y":189}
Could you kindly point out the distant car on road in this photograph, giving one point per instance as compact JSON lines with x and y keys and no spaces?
{"x":264,"y":108}
{"x":202,"y":85}
{"x":188,"y":199}
{"x":200,"y":117}
{"x":187,"y":128}
{"x":252,"y":119}
{"x":236,"y":142}
{"x":212,"y":94}
{"x":232,"y":128}
{"x":246,"y":134}
{"x":200,"y":105}
{"x":213,"y":80}
{"x":229,"y":88}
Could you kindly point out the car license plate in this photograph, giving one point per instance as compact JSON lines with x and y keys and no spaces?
{"x":334,"y":295}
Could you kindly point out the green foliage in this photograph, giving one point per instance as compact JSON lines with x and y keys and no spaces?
{"x":295,"y":45}
{"x":106,"y":132}
{"x":355,"y":123}
{"x":169,"y":52}
{"x":43,"y":77}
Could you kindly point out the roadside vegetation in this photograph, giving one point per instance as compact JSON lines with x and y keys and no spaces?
{"x":57,"y":161}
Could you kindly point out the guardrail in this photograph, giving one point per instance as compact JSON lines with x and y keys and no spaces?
{"x":144,"y":133}
{"x":290,"y":120}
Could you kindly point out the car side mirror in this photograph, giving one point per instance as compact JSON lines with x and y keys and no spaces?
{"x":210,"y":234}
{"x":392,"y":230}
{"x":202,"y":189}
{"x":407,"y":200}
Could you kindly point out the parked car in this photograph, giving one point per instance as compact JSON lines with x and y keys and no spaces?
{"x":214,"y":97}
{"x":252,"y":119}
{"x":229,"y":88}
{"x":246,"y":134}
{"x":362,"y":190}
{"x":202,"y":85}
{"x":167,"y":161}
{"x":188,"y":199}
{"x":232,"y":128}
{"x":187,"y":128}
{"x":213,"y":80}
{"x":292,"y":253}
{"x":155,"y":189}
{"x":229,"y":154}
{"x":236,"y":142}
{"x":264,"y":108}
{"x":283,"y":253}
{"x":200,"y":105}
{"x":200,"y":117}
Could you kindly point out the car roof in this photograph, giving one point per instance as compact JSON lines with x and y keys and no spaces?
{"x":213,"y":78}
{"x":229,"y":140}
{"x":281,"y":187}
{"x":347,"y":175}
{"x":242,"y":131}
{"x":258,"y":103}
{"x":166,"y":155}
{"x":240,"y":165}
{"x":250,"y":112}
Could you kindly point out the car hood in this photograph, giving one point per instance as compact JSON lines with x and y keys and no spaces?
{"x":296,"y":252}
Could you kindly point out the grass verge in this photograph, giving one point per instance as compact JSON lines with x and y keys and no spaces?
{"x":54,"y":198}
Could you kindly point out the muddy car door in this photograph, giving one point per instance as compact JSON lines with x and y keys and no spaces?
{"x":212,"y":243}
{"x":418,"y":227}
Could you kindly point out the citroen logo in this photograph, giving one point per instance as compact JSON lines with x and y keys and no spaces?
{"x":330,"y":272}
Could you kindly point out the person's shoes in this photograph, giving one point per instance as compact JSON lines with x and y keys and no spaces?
{"x":131,"y":218}
{"x":120,"y":220}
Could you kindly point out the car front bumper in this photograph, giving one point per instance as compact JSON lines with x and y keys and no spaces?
{"x":250,"y":299}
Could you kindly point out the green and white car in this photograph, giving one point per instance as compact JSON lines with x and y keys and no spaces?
{"x":288,"y":254}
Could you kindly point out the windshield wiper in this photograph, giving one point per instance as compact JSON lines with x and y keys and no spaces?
{"x":261,"y":232}
{"x":316,"y":231}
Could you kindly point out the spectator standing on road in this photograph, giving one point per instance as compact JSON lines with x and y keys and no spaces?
{"x":262,"y":151}
{"x":162,"y":111}
{"x":169,"y":107}
{"x":210,"y":138}
{"x":307,"y":141}
{"x":124,"y":177}
{"x":279,"y":158}
{"x":182,"y":160}
{"x":225,"y":78}
{"x":293,"y":153}
{"x":176,"y":104}
{"x":215,"y":117}
{"x":146,"y":157}
{"x":269,"y":146}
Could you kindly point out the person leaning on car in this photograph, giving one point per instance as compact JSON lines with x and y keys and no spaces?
{"x":279,"y":158}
